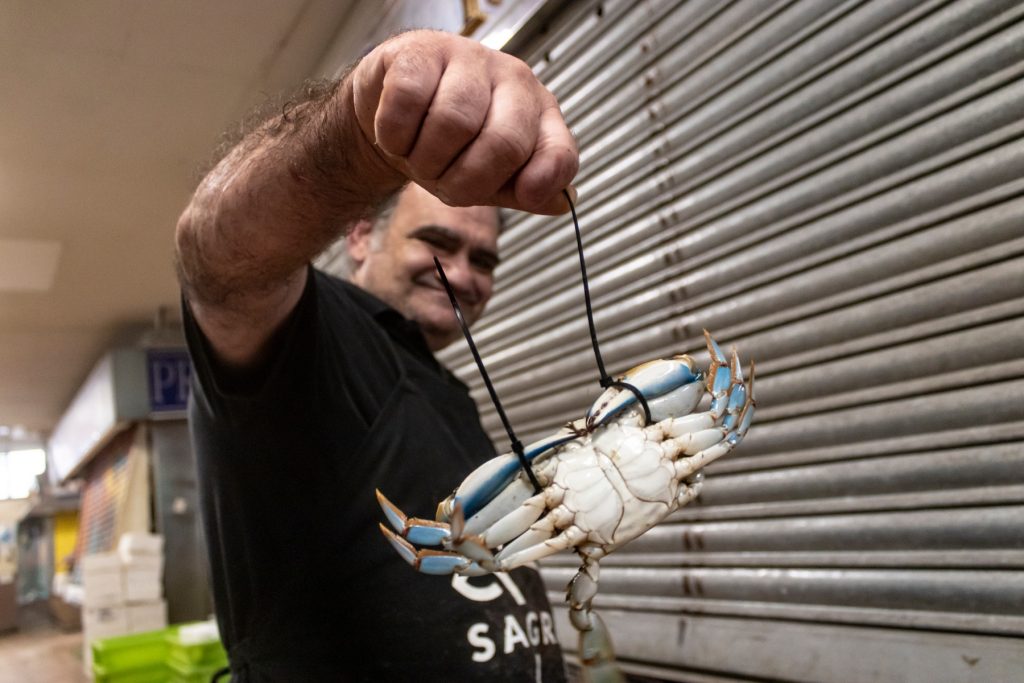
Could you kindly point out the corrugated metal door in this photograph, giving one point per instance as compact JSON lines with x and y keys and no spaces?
{"x":837,"y":188}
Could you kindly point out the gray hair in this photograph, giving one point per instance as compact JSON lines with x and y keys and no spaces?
{"x":336,"y":259}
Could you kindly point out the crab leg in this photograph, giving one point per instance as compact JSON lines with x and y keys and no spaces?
{"x":419,"y":531}
{"x":519,"y":520}
{"x":433,"y":561}
{"x":689,"y":489}
{"x":686,"y":466}
{"x":603,"y":480}
{"x":595,"y":645}
{"x":726,"y":407}
{"x":570,"y":537}
{"x":652,"y":380}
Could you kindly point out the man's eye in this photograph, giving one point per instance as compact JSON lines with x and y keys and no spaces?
{"x":485,"y":265}
{"x":437,"y":243}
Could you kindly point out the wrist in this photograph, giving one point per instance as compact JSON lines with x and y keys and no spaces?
{"x":369,"y":169}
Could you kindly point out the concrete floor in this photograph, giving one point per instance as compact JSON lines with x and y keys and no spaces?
{"x":39,"y":652}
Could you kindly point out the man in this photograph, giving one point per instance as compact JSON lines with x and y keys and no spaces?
{"x":310,"y":392}
{"x":393,"y":259}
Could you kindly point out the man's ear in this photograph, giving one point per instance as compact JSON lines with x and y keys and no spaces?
{"x":357,"y":241}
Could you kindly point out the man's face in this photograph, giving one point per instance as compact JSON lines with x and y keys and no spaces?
{"x":397,"y":266}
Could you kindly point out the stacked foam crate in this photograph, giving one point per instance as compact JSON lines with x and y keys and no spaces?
{"x":142,"y":564}
{"x":103,"y":611}
{"x":122,"y":591}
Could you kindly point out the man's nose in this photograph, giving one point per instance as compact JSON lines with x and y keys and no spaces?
{"x":460,"y":276}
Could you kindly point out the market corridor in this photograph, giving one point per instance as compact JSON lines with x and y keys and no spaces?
{"x":39,"y":652}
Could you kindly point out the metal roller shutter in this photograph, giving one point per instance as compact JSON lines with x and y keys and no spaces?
{"x":837,"y":188}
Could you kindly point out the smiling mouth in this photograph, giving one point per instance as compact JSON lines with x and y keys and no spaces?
{"x":436,"y":286}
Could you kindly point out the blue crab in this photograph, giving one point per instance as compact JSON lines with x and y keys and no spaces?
{"x":604,"y":480}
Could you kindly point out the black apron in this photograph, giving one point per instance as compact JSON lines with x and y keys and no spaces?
{"x":383,"y":621}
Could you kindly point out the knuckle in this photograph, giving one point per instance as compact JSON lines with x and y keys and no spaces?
{"x":408,"y":91}
{"x":455,"y":193}
{"x":458,"y":122}
{"x":507,"y":147}
{"x":519,"y":68}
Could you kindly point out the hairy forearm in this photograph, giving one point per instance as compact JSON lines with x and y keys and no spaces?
{"x":468,"y":124}
{"x":276,"y":200}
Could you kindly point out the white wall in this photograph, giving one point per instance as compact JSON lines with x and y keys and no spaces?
{"x":369,"y":23}
{"x":11,"y":511}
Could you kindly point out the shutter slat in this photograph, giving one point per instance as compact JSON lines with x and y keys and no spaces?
{"x":837,"y":189}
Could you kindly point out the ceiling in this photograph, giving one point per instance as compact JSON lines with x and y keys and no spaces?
{"x":109,"y":110}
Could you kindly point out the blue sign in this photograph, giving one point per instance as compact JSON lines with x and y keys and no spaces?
{"x":168,"y":371}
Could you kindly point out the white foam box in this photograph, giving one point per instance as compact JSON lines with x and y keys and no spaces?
{"x":104,"y":622}
{"x":102,"y":584}
{"x":142,"y":579}
{"x":141,"y":564}
{"x":136,"y":545}
{"x":100,"y":564}
{"x":142,"y":588}
{"x":101,"y":622}
{"x":147,"y":616}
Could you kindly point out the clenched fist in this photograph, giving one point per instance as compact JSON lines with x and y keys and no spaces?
{"x":469,"y":124}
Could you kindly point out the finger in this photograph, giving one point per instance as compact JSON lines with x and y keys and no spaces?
{"x":555,"y":161}
{"x":411,"y":78}
{"x":456,"y":116}
{"x":503,"y":146}
{"x":552,"y":206}
{"x":367,"y":83}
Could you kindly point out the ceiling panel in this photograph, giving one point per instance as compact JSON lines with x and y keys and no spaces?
{"x":111,"y":107}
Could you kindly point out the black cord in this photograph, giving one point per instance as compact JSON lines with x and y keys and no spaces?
{"x":517,"y":445}
{"x":605,"y":380}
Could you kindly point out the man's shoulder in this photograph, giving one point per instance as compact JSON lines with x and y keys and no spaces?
{"x":343,"y":293}
{"x":328,"y":283}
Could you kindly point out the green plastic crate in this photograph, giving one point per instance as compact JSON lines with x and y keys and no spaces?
{"x":207,"y":654}
{"x":157,"y":673}
{"x":185,"y":673}
{"x":137,"y":651}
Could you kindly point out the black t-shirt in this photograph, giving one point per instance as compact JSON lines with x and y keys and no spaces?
{"x":306,"y":587}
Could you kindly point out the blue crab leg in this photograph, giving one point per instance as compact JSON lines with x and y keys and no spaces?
{"x":722,"y":415}
{"x":686,"y":466}
{"x":494,"y":478}
{"x":597,"y":654}
{"x":437,"y":562}
{"x":552,"y":533}
{"x":719,"y":376}
{"x":689,"y":489}
{"x":737,"y":393}
{"x":679,"y":426}
{"x":514,"y":523}
{"x":653,"y":379}
{"x":746,"y":416}
{"x":472,"y":558}
{"x":418,"y":531}
{"x":694,"y":442}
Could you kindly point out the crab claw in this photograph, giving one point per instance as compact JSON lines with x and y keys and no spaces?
{"x":418,"y":531}
{"x":470,"y":553}
{"x":436,"y":562}
{"x":670,"y":387}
